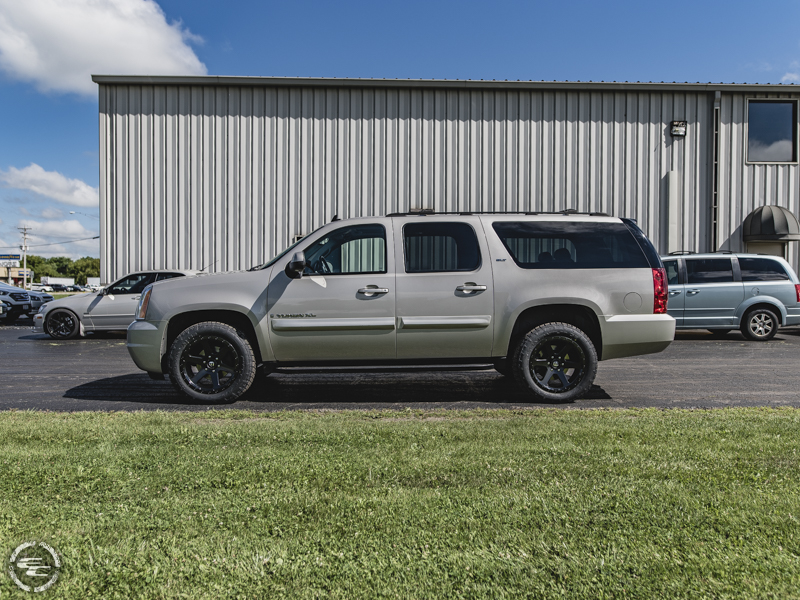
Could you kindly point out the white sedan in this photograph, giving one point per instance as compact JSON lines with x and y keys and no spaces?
{"x":110,"y":309}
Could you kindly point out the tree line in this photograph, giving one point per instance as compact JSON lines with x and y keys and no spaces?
{"x":61,"y":266}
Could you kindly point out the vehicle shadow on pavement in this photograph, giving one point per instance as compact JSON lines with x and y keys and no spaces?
{"x":356,"y":390}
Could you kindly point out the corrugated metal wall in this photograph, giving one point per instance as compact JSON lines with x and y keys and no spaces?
{"x":224,"y":177}
{"x":744,"y":187}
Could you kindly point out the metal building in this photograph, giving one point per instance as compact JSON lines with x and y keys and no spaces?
{"x":223,"y":172}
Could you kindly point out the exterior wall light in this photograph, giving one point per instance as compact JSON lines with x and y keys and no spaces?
{"x":677,"y":128}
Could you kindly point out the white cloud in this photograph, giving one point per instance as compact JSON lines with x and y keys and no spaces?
{"x":52,"y":184}
{"x":59,"y":44}
{"x":780,"y":151}
{"x":52,"y":213}
{"x":51,"y":232}
{"x":788,"y":77}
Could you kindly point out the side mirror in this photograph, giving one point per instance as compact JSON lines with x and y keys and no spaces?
{"x":104,"y":292}
{"x":296,"y":266}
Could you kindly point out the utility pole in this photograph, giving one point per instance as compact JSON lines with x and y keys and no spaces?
{"x":24,"y":249}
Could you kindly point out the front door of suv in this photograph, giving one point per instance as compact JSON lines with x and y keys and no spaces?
{"x":445,"y":297}
{"x":343,"y":306}
{"x":711,"y":293}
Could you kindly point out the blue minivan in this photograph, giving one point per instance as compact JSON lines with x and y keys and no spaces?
{"x":723,"y":291}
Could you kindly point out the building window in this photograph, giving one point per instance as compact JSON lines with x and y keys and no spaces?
{"x":772,"y":131}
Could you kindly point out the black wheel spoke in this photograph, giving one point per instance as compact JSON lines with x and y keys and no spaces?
{"x":199,"y":376}
{"x":215,"y":381}
{"x":563,"y":378}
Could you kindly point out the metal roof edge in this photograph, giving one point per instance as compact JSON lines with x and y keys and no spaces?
{"x":348,"y":82}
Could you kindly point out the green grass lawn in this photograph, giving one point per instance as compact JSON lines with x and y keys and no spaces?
{"x":539,"y":504}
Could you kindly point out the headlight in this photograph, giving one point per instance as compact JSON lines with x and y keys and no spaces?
{"x":141,"y":312}
{"x":42,"y":307}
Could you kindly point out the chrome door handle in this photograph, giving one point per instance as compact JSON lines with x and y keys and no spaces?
{"x":471,"y":287}
{"x":373,"y":290}
{"x":692,"y":292}
{"x":675,"y":293}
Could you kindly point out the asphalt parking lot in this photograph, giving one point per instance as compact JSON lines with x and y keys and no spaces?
{"x":696,"y":371}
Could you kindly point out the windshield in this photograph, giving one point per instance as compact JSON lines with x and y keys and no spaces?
{"x":266,"y":265}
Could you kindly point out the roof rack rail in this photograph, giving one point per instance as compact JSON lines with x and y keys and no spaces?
{"x":415,"y":212}
{"x":682,"y":252}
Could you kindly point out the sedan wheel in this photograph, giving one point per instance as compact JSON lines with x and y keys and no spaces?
{"x":556,"y":362}
{"x":62,"y":324}
{"x":212,"y":362}
{"x":760,"y":325}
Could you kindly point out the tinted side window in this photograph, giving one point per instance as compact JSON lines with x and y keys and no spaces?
{"x":349,"y":250}
{"x":709,"y":270}
{"x":132,"y":284}
{"x":437,"y":247}
{"x":163,"y":276}
{"x":562,"y":245}
{"x":673,"y":278}
{"x":762,"y":269}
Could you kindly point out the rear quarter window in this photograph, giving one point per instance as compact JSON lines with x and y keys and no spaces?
{"x":560,"y":245}
{"x":762,"y":269}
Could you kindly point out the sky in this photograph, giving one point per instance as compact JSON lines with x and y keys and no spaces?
{"x":49,"y":162}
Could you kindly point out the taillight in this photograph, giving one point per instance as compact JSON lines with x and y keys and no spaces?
{"x":797,"y":290}
{"x":144,"y":301}
{"x":660,"y":291}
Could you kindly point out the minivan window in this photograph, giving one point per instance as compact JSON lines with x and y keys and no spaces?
{"x":561,"y":245}
{"x":440,"y":247}
{"x":762,"y":269}
{"x":673,"y":276}
{"x":708,"y":270}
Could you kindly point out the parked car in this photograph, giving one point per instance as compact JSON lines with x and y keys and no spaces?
{"x":110,"y":309}
{"x":18,"y":301}
{"x":37,"y":300}
{"x":58,"y":287}
{"x":720,"y":292}
{"x":542,"y":297}
{"x":40,"y":287}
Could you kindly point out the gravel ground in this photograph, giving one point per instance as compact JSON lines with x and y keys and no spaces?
{"x":696,"y":371}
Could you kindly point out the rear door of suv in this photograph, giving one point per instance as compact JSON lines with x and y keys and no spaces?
{"x":713,"y":292}
{"x":445,"y":296}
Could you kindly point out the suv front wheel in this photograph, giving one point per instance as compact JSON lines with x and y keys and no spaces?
{"x":212,"y":362}
{"x":760,"y":324}
{"x":556,"y":361}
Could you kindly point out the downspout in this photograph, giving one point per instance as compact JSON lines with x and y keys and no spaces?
{"x":715,"y":177}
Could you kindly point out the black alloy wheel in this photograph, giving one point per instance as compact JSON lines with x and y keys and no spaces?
{"x":557,"y":362}
{"x":760,"y":325}
{"x":212,"y":362}
{"x":62,"y":324}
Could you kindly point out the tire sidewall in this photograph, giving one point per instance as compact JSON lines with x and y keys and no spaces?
{"x":244,"y":378}
{"x":749,"y":316}
{"x":75,"y":330}
{"x":522,"y":357}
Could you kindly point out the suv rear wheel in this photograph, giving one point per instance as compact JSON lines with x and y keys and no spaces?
{"x":556,"y":361}
{"x":212,"y":362}
{"x":760,"y":324}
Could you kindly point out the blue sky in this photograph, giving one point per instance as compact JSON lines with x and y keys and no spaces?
{"x":49,"y":48}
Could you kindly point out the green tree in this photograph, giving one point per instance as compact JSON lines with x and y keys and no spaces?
{"x":83,"y":268}
{"x":61,"y":264}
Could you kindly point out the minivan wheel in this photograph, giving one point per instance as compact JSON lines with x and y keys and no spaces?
{"x":62,"y":324}
{"x":556,"y":362}
{"x":760,"y":325}
{"x":212,"y":362}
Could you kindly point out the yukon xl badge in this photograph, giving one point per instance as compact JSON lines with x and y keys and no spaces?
{"x":294,"y":316}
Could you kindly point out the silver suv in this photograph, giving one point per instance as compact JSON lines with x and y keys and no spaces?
{"x":543,"y":297}
{"x":723,"y":291}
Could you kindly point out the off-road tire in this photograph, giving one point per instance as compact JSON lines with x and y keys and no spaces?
{"x":212,"y":363}
{"x":62,"y":324}
{"x":541,"y":356}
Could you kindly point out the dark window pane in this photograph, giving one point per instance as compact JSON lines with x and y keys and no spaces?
{"x":771,"y":131}
{"x":132,"y":284}
{"x":347,"y":251}
{"x":709,"y":270}
{"x":672,"y":272}
{"x":551,"y":245}
{"x":163,"y":276}
{"x":762,"y":269}
{"x":435,"y":247}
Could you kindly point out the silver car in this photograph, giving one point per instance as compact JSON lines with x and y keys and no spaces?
{"x":720,"y":292}
{"x":110,"y":309}
{"x":542,"y":297}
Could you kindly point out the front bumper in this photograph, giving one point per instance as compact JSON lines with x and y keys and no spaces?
{"x":632,"y":335}
{"x":144,"y":344}
{"x":38,"y":323}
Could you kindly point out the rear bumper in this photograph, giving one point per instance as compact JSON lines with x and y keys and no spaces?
{"x":144,"y":344}
{"x":792,"y":315}
{"x":631,"y":335}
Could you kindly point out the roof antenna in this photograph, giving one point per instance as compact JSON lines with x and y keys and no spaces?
{"x":335,"y":218}
{"x":209,"y":265}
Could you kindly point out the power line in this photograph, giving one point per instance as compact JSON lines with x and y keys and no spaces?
{"x":97,"y":237}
